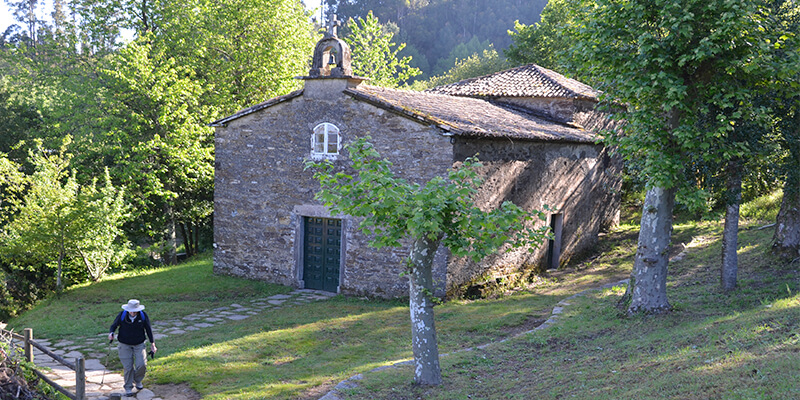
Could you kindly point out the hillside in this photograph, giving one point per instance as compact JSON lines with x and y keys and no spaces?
{"x":437,"y":32}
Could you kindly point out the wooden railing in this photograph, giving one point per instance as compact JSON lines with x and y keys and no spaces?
{"x":79,"y":366}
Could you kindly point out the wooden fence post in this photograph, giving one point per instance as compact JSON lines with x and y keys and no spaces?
{"x":28,"y":332}
{"x":80,"y":379}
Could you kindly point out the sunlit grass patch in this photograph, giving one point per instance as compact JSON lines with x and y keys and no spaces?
{"x":763,"y":208}
{"x":168,"y":292}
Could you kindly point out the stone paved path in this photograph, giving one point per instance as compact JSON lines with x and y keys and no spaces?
{"x":101,"y":383}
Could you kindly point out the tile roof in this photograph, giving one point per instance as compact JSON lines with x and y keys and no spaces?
{"x":526,"y":81}
{"x":470,"y":117}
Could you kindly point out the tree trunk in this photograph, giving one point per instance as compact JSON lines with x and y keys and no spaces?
{"x":193,"y":238}
{"x":190,"y":230}
{"x":170,"y":256}
{"x":58,"y":272}
{"x":187,"y":240}
{"x":648,"y":285}
{"x":423,"y":329}
{"x":61,"y":254}
{"x":786,"y":242}
{"x":196,"y":232}
{"x":730,"y":236}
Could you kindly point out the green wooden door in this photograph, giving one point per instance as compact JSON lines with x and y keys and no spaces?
{"x":321,"y":253}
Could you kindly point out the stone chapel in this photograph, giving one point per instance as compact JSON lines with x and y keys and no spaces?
{"x":534,"y":130}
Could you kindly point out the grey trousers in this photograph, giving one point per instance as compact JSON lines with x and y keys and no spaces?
{"x":134,"y":364}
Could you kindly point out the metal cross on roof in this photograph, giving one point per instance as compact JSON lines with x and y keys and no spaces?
{"x":332,"y":24}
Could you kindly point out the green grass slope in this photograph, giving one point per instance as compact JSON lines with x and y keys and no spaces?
{"x":714,"y":345}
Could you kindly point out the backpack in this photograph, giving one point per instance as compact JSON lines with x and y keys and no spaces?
{"x":122,"y":316}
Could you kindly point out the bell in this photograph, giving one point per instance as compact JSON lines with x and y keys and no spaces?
{"x":332,"y":60}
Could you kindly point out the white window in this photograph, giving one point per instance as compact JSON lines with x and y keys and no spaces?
{"x":325,"y":142}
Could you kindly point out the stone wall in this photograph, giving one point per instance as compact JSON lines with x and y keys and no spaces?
{"x":262,"y":191}
{"x":580,"y":181}
{"x":564,"y":110}
{"x":559,"y":109}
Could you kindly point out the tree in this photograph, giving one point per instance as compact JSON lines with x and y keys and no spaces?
{"x":25,"y":11}
{"x":51,"y":217}
{"x":439,"y":212}
{"x":672,"y":64}
{"x":436,"y":27}
{"x":374,"y":55}
{"x":100,"y":213}
{"x":17,"y":119}
{"x":786,"y":241}
{"x":547,"y":42}
{"x":240,"y":51}
{"x":43,"y":208}
{"x":157,"y":139}
{"x":461,"y":52}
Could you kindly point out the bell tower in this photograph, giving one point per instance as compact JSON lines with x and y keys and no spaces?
{"x":331,"y":72}
{"x":331,"y":54}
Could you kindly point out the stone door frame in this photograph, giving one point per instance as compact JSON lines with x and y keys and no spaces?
{"x":299,"y":213}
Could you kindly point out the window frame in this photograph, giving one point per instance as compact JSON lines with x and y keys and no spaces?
{"x":328,"y":130}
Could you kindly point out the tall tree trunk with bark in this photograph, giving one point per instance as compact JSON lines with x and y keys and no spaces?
{"x":170,"y":254}
{"x":730,"y":235}
{"x":61,"y":255}
{"x":423,"y":331}
{"x":187,"y":233}
{"x":786,"y":242}
{"x":648,"y":284}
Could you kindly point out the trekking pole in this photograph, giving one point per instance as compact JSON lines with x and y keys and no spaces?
{"x":105,"y":364}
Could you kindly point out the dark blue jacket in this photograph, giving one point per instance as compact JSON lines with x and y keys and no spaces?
{"x":132,"y":333}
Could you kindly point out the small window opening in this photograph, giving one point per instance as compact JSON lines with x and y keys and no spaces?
{"x":325,"y":142}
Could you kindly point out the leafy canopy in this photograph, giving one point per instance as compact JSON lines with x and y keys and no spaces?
{"x":49,"y":216}
{"x":686,"y":72}
{"x":547,"y":42}
{"x":374,"y":55}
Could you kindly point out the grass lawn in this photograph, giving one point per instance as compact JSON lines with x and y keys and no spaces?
{"x":167,"y":293}
{"x":739,"y":345}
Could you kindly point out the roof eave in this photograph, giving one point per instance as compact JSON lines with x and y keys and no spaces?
{"x":258,"y":107}
{"x":563,"y":140}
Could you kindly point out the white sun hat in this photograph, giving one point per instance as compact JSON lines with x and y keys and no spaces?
{"x":133,"y":306}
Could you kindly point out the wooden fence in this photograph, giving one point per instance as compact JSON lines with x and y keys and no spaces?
{"x":79,"y":366}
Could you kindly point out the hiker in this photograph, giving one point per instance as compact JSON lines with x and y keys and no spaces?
{"x":133,"y":324}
